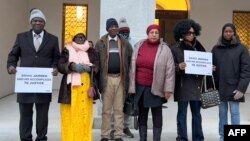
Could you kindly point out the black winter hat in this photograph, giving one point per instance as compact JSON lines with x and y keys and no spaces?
{"x":110,"y":22}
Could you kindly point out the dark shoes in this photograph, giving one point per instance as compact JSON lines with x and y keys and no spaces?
{"x":128,"y":133}
{"x":112,"y":136}
{"x":104,"y":139}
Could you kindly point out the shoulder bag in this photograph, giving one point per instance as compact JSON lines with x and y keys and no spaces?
{"x":209,"y":98}
{"x":130,"y":108}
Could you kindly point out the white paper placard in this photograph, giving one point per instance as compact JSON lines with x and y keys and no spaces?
{"x":198,"y":62}
{"x":33,"y":80}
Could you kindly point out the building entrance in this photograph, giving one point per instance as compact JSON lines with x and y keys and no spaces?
{"x":167,"y":20}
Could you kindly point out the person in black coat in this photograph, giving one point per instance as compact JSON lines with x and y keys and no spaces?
{"x":187,"y":86}
{"x":232,"y":74}
{"x":41,"y":52}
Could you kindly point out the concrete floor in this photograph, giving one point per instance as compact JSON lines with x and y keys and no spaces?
{"x":9,"y":120}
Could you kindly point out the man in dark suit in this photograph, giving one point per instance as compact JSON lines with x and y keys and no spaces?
{"x":35,"y":48}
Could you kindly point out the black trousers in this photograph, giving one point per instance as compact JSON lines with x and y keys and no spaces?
{"x":143,"y":114}
{"x":26,"y":121}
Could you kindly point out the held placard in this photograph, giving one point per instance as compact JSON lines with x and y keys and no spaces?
{"x":198,"y":62}
{"x":33,"y":80}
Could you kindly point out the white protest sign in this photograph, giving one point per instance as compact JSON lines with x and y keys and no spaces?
{"x":33,"y":80}
{"x":198,"y":62}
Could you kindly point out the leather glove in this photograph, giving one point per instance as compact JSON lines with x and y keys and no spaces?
{"x":238,"y":94}
{"x":79,"y":68}
{"x":11,"y":70}
{"x":54,"y":72}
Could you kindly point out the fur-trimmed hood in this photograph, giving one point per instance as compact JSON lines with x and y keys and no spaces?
{"x":234,"y":42}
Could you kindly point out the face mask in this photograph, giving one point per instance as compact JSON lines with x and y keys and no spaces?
{"x":124,"y":34}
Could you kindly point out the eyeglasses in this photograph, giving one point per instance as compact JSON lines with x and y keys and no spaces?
{"x":190,"y":33}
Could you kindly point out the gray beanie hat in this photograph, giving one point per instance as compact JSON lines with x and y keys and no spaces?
{"x":37,"y":13}
{"x":123,"y":25}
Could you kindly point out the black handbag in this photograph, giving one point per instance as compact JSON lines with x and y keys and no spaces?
{"x":209,"y":98}
{"x":130,"y":108}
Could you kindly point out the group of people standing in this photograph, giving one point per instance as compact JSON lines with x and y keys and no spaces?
{"x":150,"y":70}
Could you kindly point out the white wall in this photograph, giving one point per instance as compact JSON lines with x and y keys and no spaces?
{"x":139,"y":14}
{"x":13,"y":20}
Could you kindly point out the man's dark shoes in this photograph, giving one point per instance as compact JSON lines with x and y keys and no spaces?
{"x":104,"y":139}
{"x":119,"y":139}
{"x":128,"y":133}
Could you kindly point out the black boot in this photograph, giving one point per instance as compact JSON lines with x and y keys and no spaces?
{"x":143,"y":133}
{"x":157,"y":134}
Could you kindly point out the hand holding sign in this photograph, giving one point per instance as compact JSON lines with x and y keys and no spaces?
{"x":11,"y":70}
{"x":182,"y":66}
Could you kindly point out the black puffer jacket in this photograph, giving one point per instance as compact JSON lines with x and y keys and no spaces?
{"x":187,"y":86}
{"x":232,"y":68}
{"x":63,"y":67}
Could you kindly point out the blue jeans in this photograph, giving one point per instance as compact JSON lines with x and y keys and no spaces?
{"x":223,"y":119}
{"x":197,"y":133}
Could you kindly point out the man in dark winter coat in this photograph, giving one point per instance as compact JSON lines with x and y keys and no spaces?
{"x":114,"y":54}
{"x":40,"y":49}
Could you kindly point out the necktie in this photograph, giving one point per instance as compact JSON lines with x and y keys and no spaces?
{"x":37,"y":42}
